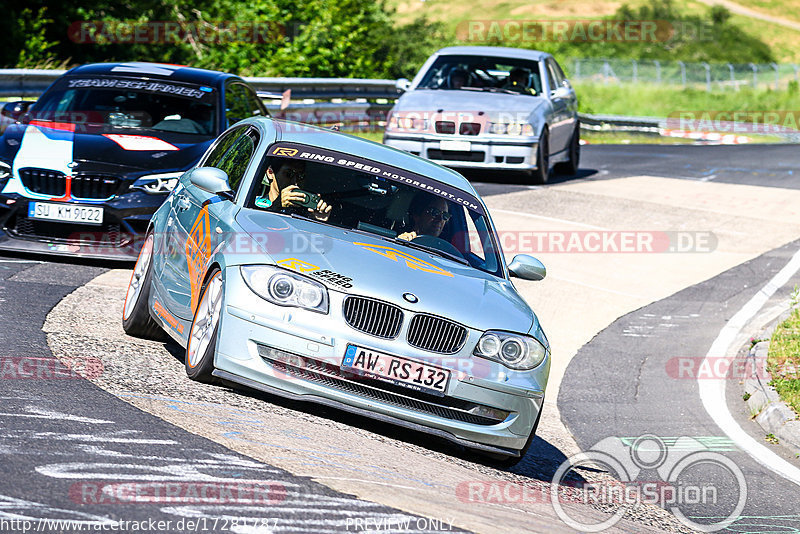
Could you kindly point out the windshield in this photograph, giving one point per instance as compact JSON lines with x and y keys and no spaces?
{"x":483,"y":73}
{"x":113,"y":104}
{"x":388,"y":203}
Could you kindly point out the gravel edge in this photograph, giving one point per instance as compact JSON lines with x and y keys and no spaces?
{"x":772,"y":414}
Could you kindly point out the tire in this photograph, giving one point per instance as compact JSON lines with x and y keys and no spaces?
{"x":541,"y":174}
{"x":202,"y":342}
{"x":570,"y":167}
{"x":136,"y":319}
{"x":506,"y":461}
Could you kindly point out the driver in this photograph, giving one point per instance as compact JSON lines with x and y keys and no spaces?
{"x":429,"y":214}
{"x":457,"y":78}
{"x":518,"y":81}
{"x":284,"y":178}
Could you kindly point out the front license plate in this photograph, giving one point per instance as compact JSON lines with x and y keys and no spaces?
{"x":396,"y":370}
{"x":65,"y":212}
{"x":457,"y":146}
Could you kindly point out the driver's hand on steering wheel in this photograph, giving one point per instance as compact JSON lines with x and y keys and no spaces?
{"x":322,"y":212}
{"x":407,"y":236}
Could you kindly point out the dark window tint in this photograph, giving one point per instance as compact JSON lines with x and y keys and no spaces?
{"x":560,"y":77}
{"x":236,"y":105}
{"x":221,"y":146}
{"x":551,"y":79}
{"x":236,"y":159}
{"x":253,"y":102}
{"x":241,"y":103}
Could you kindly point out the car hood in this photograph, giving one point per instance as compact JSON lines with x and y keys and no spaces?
{"x":38,"y":146}
{"x":427,"y":100}
{"x":385,"y":270}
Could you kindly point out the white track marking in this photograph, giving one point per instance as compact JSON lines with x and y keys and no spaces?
{"x":38,"y":413}
{"x":553,"y":219}
{"x":101,"y":439}
{"x":712,"y":392}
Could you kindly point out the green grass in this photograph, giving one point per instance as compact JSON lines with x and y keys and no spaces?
{"x":783,"y":360}
{"x":662,"y":101}
{"x":786,"y":9}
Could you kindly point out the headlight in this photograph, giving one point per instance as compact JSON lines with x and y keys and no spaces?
{"x":285,"y":288}
{"x":5,"y":173}
{"x":157,"y":184}
{"x":407,"y":123}
{"x":511,"y":128}
{"x":515,"y":351}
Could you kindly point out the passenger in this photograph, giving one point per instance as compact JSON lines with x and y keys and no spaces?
{"x":428,"y":214}
{"x":284,"y":179}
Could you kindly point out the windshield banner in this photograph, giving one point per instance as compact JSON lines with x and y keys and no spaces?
{"x":382,"y":170}
{"x":189,"y":91}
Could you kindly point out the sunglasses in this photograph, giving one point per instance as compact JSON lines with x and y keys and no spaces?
{"x":295,"y":175}
{"x":438,"y":214}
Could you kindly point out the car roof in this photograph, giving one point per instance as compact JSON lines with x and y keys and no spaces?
{"x":160,"y":71}
{"x":497,"y":51}
{"x":350,"y":144}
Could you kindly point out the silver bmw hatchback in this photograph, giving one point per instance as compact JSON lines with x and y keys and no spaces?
{"x":325,"y":268}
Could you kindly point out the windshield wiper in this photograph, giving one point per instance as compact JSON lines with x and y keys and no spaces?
{"x":439,"y":252}
{"x":500,"y":90}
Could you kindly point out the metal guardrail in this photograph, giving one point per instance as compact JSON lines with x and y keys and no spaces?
{"x":351,"y":102}
{"x":28,"y":83}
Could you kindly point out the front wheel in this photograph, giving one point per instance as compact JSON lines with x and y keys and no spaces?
{"x":203,"y":335}
{"x":542,"y":172}
{"x":570,"y":167}
{"x":136,"y":319}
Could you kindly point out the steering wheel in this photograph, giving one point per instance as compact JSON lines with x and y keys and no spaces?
{"x":437,"y":243}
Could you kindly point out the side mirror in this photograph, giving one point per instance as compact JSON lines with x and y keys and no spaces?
{"x":403,"y":84}
{"x":212,"y":180}
{"x":559,"y":92}
{"x":15,"y":110}
{"x":527,"y":268}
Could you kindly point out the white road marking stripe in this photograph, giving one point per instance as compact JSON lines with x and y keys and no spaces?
{"x":712,"y":392}
{"x":102,"y":439}
{"x":554,"y":219}
{"x":49,"y":416}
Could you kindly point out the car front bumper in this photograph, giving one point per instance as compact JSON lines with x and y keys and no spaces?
{"x":502,"y":154}
{"x":297,"y":354}
{"x":125,"y":220}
